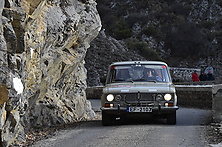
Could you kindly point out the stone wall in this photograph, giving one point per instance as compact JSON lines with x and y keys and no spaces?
{"x":195,"y":96}
{"x":42,"y":75}
{"x":217,"y":103}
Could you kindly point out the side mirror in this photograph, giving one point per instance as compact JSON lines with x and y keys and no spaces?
{"x":103,"y":80}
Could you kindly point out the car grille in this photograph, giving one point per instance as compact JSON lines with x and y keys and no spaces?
{"x":138,"y":97}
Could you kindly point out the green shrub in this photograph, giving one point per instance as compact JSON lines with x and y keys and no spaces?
{"x":136,"y":18}
{"x":207,"y":24}
{"x":143,"y":49}
{"x":220,"y":22}
{"x":170,"y":2}
{"x":149,"y":31}
{"x":181,"y":9}
{"x":122,"y":30}
{"x":142,"y":4}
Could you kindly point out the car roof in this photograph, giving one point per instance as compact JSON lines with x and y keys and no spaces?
{"x":138,"y":62}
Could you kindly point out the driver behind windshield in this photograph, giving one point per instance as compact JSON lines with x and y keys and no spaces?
{"x":151,"y":75}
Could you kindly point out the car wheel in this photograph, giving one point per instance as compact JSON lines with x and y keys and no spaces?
{"x":171,"y":118}
{"x":106,"y":119}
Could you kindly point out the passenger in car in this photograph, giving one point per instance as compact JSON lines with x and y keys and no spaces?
{"x":150,"y":75}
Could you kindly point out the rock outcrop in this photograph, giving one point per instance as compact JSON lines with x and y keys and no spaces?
{"x":42,"y":75}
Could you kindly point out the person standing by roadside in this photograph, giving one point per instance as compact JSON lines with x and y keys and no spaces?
{"x":195,"y":76}
{"x":203,"y":76}
{"x":210,"y":76}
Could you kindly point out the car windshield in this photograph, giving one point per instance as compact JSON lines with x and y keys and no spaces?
{"x":135,"y":72}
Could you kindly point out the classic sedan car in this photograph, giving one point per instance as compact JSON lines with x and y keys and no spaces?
{"x":138,"y":87}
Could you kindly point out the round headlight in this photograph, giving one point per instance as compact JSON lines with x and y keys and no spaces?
{"x":118,"y":97}
{"x":110,"y":97}
{"x":159,"y":97}
{"x":167,"y":97}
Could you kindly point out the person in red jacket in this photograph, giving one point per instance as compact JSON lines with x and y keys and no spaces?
{"x":195,"y":76}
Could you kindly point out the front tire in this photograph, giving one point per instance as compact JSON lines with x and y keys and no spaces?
{"x":106,"y":119}
{"x":171,"y":118}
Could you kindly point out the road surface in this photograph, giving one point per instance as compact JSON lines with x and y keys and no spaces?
{"x":188,"y":132}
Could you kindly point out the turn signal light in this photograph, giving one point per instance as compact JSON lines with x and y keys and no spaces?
{"x":168,"y":104}
{"x":108,"y":105}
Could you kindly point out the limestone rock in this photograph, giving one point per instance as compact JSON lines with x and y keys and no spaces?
{"x":42,"y":47}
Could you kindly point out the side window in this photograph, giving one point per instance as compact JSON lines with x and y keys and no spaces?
{"x":111,"y":76}
{"x":165,"y":75}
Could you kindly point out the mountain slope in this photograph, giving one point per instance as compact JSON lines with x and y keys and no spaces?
{"x":183,"y":33}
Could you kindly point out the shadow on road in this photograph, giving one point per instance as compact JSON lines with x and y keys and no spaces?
{"x":185,"y":117}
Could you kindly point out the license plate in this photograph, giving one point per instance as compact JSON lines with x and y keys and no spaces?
{"x":139,"y":109}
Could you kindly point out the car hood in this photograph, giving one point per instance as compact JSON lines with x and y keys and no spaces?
{"x":146,"y":87}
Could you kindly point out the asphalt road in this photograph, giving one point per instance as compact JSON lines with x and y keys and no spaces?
{"x":188,"y":132}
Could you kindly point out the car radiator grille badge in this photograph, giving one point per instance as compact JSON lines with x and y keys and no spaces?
{"x":138,"y":96}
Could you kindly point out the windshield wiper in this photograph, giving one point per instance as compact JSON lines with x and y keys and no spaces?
{"x":152,"y":81}
{"x":122,"y":80}
{"x":131,"y":80}
{"x":139,"y":80}
{"x":119,"y":80}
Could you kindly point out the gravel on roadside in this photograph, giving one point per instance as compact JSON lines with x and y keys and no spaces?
{"x":214,"y":134}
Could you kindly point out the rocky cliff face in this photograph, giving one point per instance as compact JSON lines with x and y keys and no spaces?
{"x":42,"y":49}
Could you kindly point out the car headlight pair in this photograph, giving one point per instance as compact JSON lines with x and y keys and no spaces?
{"x":167,"y":97}
{"x":111,"y":97}
{"x":159,"y":97}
